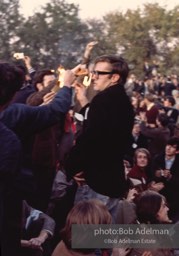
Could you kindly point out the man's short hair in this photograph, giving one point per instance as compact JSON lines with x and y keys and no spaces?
{"x":163,"y":119}
{"x":39,"y":76}
{"x":11,"y":80}
{"x":173,"y":141}
{"x":170,"y":99}
{"x":119,"y":65}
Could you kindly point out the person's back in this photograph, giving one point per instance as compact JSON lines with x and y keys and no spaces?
{"x":158,"y":136}
{"x":10,"y":206}
{"x":44,"y":151}
{"x":11,"y":79}
{"x":151,"y":109}
{"x":23,"y":121}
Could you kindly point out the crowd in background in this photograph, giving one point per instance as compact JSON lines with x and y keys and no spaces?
{"x":151,"y":161}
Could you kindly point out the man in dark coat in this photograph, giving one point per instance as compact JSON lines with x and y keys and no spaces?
{"x":158,"y":136}
{"x":100,"y":149}
{"x":165,"y":168}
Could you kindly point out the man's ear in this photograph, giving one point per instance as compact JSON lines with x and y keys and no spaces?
{"x":115,"y":78}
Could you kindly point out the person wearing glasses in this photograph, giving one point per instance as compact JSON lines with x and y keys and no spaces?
{"x":97,"y":156}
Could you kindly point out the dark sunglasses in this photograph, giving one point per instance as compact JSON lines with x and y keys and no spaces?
{"x":96,"y":72}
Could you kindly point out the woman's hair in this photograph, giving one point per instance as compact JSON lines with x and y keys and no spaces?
{"x":147,"y":206}
{"x":141,"y":150}
{"x":85,"y":212}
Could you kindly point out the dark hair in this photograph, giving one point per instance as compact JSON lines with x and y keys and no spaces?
{"x":39,"y":76}
{"x":163,"y":119}
{"x":170,"y":99}
{"x":11,"y":80}
{"x":173,"y":141}
{"x":23,"y":67}
{"x":147,"y":206}
{"x":119,"y":65}
{"x":35,"y":99}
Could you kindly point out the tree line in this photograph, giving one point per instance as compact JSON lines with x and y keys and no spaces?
{"x":56,"y":35}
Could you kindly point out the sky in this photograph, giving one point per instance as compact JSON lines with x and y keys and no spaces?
{"x":96,"y":8}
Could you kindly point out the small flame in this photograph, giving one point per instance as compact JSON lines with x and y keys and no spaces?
{"x":61,"y":71}
{"x":87,"y":80}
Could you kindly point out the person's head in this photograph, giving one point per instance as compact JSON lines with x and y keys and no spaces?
{"x":162,"y":120}
{"x":141,"y":157}
{"x":131,"y":79}
{"x":151,"y":208}
{"x":22,"y":66}
{"x":149,"y":98}
{"x":11,"y":80}
{"x":172,"y":147}
{"x":175,"y":94}
{"x":43,"y":78}
{"x":85,"y":212}
{"x":136,"y":128}
{"x":135,"y":101}
{"x":109,"y":70}
{"x":169,"y":101}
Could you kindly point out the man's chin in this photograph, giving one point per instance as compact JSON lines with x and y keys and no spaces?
{"x":95,"y":87}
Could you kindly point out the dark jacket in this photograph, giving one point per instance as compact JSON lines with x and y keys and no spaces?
{"x":10,"y":202}
{"x":140,"y":142}
{"x":158,"y":138}
{"x":27,"y":89}
{"x":44,"y":153}
{"x":22,"y":95}
{"x":100,"y":149}
{"x":26,"y":121}
{"x":170,"y":191}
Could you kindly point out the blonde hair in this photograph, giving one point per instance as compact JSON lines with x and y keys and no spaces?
{"x":85,"y":212}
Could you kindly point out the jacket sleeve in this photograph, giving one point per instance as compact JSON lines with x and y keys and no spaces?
{"x":149,"y":132}
{"x":48,"y":223}
{"x":25,"y":120}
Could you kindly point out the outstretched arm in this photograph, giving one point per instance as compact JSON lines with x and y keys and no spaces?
{"x":87,"y":53}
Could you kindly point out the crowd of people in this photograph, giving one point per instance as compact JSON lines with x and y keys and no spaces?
{"x":90,"y":145}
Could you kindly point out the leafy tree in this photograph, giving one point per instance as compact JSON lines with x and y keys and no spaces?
{"x":54,"y":36}
{"x":97,"y":32}
{"x":148,"y":34}
{"x":129,"y":32}
{"x":10,"y":21}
